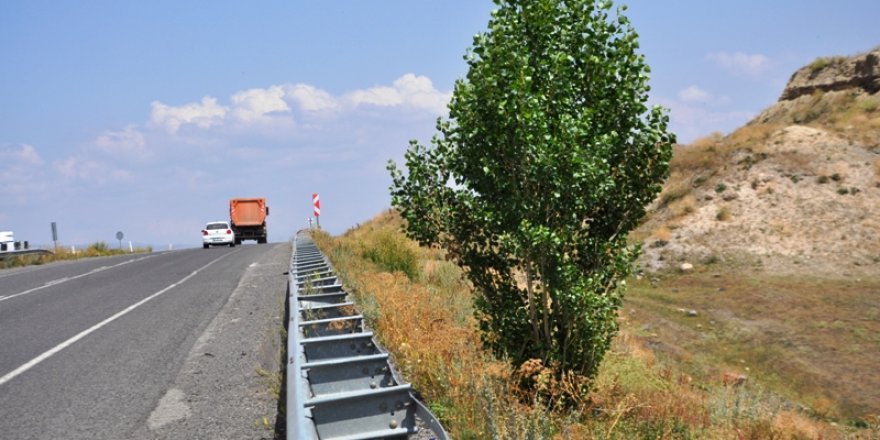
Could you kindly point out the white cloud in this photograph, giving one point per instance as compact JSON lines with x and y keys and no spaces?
{"x":382,"y":96}
{"x":126,"y":142}
{"x":740,"y":63}
{"x":87,"y":170}
{"x":310,"y":99}
{"x":409,"y":90}
{"x":256,"y":104}
{"x":20,"y":174}
{"x":694,"y":94}
{"x":691,"y":121}
{"x":25,"y":154}
{"x":204,"y":114}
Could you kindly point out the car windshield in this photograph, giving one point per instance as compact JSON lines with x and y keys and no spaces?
{"x":217,"y":226}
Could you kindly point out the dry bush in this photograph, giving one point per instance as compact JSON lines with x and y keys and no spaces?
{"x":768,"y":188}
{"x":799,"y":426}
{"x":723,"y":214}
{"x":662,"y":234}
{"x":684,"y":206}
{"x":782,"y":227}
{"x":712,"y":140}
{"x":751,"y":135}
{"x":676,"y":188}
{"x":794,"y":161}
{"x":697,"y":158}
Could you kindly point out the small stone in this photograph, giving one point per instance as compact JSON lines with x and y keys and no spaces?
{"x":692,"y":313}
{"x":686,"y":267}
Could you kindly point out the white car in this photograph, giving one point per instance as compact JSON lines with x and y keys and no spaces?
{"x":218,"y":233}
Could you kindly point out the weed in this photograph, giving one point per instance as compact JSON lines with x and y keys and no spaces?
{"x":723,"y":214}
{"x":821,"y":63}
{"x":393,"y":252}
{"x":842,"y":191}
{"x":795,"y":178}
{"x":720,"y":187}
{"x":869,"y":105}
{"x":822,"y":180}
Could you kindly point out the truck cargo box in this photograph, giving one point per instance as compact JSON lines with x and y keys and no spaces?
{"x":247,"y":217}
{"x":248,"y":212}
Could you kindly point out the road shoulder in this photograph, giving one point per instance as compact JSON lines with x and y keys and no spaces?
{"x":228,"y":385}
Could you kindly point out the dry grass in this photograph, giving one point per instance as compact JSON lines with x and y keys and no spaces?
{"x":97,"y":249}
{"x":683,"y":207}
{"x":811,"y":340}
{"x":427,"y":324}
{"x":662,"y":234}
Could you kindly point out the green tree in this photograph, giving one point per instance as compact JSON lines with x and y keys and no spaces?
{"x":546,"y":162}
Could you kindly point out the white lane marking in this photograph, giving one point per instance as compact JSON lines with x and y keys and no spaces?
{"x":66,"y":279}
{"x":33,"y":362}
{"x":254,"y":264}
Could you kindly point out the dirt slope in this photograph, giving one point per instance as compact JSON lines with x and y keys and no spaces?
{"x":796,"y":189}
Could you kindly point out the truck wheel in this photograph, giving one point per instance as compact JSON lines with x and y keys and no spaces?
{"x":232,"y":244}
{"x":205,"y":246}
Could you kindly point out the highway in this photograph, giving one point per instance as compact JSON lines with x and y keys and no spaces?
{"x":88,"y":348}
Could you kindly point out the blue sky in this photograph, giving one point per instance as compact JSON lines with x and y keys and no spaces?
{"x":146,"y":117}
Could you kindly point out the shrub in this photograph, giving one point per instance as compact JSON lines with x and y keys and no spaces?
{"x":720,"y":187}
{"x":393,"y":252}
{"x":823,"y":62}
{"x":674,"y":191}
{"x":842,"y":191}
{"x":723,"y":214}
{"x":869,"y":105}
{"x":822,"y":180}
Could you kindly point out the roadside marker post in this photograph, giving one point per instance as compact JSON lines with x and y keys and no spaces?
{"x":316,"y":202}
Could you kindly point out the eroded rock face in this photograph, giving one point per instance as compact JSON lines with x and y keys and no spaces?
{"x":840,"y":73}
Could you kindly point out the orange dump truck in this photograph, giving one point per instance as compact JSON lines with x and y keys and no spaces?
{"x":248,"y":219}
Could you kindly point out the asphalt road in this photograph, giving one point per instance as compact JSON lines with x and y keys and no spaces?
{"x":88,"y":348}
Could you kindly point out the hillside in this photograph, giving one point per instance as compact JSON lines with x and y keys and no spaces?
{"x":797,"y":189}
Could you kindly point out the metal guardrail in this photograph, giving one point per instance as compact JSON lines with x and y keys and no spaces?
{"x":18,"y":253}
{"x":340,"y":384}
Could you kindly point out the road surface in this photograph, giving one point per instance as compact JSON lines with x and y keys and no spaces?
{"x":88,"y":348}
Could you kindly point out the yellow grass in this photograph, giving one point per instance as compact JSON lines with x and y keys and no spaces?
{"x":97,"y":249}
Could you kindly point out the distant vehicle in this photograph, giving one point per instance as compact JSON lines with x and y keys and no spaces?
{"x":7,"y":242}
{"x":248,"y":218}
{"x":218,"y":233}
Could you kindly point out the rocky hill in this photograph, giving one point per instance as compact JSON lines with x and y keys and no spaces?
{"x":796,"y":189}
